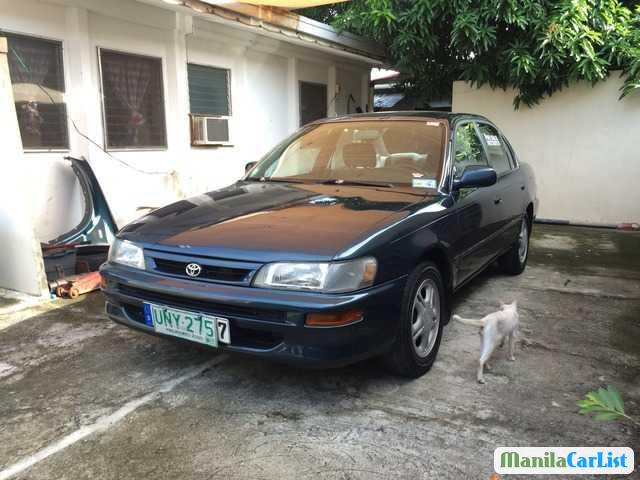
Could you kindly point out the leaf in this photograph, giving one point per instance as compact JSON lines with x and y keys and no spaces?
{"x":606,"y":416}
{"x":610,"y":399}
{"x":606,"y":403}
{"x":616,"y":398}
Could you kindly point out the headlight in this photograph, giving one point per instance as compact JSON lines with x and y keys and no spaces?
{"x":126,"y":253}
{"x":327,"y":277}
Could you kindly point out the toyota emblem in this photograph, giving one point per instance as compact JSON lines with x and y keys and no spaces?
{"x":193,"y":269}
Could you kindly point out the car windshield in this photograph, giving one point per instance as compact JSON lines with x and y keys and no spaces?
{"x":377,"y":152}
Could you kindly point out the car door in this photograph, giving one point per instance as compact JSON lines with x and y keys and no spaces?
{"x":478,"y":215}
{"x":509,"y":194}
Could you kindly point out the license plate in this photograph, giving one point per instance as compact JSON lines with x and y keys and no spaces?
{"x":192,"y":326}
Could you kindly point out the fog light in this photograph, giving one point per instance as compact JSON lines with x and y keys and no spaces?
{"x":334,"y":319}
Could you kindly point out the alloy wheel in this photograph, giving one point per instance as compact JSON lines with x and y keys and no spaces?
{"x":425,"y":318}
{"x":523,"y":241}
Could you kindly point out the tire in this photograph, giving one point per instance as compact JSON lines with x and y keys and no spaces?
{"x":409,"y":357}
{"x":515,"y":260}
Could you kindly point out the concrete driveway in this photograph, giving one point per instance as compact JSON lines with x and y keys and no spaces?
{"x":81,"y":397}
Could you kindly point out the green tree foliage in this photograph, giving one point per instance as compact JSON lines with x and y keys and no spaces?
{"x":535,"y":46}
{"x":326,"y":14}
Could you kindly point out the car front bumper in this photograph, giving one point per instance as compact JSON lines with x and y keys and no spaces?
{"x":266,"y":323}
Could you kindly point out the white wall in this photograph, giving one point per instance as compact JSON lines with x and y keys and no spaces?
{"x":315,"y":72}
{"x":21,"y":265}
{"x":350,"y":82}
{"x":264,"y":74}
{"x":583,"y":144}
{"x":265,"y":116}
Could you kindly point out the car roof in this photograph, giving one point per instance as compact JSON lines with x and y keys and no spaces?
{"x":449,"y":116}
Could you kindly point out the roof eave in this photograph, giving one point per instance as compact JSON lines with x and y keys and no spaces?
{"x":287,"y":26}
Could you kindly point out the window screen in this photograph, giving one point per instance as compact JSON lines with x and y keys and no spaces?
{"x":313,"y":102}
{"x":133,"y":100}
{"x":37,"y":78}
{"x":498,"y":157}
{"x":208,"y":90}
{"x":469,"y":149}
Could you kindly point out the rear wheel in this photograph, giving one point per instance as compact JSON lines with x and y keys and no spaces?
{"x":422,"y":315}
{"x":515,"y":260}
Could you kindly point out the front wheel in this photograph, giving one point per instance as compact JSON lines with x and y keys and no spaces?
{"x":421,"y":321}
{"x":515,"y":260}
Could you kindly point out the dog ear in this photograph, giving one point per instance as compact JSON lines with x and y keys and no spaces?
{"x":515,"y":304}
{"x":502,"y":305}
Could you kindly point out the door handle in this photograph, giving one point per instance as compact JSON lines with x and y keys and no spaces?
{"x":497,"y":200}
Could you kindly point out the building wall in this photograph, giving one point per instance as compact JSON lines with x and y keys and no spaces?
{"x":21,"y":265}
{"x":582,"y":143}
{"x":350,"y":95}
{"x":264,"y":93}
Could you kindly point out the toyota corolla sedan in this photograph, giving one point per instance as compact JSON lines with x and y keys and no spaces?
{"x":346,"y":241}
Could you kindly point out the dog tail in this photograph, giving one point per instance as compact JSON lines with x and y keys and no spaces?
{"x":469,"y":321}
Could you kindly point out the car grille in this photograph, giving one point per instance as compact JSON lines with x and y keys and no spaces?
{"x":197,"y":305}
{"x":209,"y":272}
{"x":212,"y":269}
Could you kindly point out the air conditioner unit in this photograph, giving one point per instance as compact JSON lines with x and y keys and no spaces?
{"x":209,"y":130}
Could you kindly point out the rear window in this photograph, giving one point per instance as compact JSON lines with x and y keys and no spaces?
{"x":387,"y":151}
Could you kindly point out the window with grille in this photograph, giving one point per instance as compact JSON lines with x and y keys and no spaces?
{"x":37,"y":78}
{"x":133,"y":100}
{"x":209,"y":92}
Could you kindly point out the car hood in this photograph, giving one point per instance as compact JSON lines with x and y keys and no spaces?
{"x":273,"y":221}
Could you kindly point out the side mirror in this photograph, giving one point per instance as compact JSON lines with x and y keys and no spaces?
{"x":249,"y":166}
{"x":476,"y":176}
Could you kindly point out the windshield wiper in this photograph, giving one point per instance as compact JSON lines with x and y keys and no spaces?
{"x":339,"y":181}
{"x":281,"y":180}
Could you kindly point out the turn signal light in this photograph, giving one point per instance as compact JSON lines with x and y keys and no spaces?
{"x":334,"y":319}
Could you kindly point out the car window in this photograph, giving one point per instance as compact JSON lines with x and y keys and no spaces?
{"x":306,"y":157}
{"x":512,"y":153}
{"x":468,"y":149}
{"x":498,"y":156}
{"x":399,"y":152}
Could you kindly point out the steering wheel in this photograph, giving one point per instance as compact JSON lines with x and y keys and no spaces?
{"x":406,"y":165}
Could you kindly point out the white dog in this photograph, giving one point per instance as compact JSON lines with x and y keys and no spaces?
{"x":494,"y":328}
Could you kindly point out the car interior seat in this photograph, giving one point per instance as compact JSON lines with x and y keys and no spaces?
{"x":359,"y":155}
